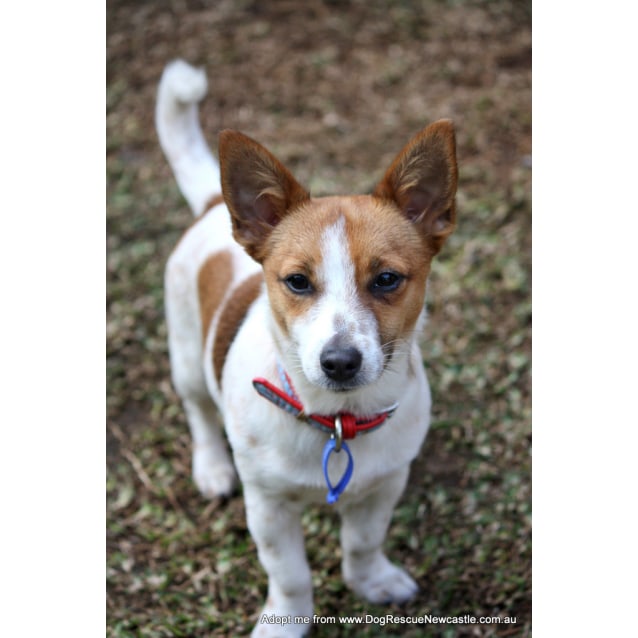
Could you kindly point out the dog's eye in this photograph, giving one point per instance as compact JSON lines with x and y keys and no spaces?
{"x":386,"y":282}
{"x":299,"y":284}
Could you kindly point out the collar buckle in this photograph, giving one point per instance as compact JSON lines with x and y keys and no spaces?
{"x":338,"y":433}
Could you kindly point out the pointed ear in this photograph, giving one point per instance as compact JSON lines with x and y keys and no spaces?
{"x":422,"y":182}
{"x":258,"y":189}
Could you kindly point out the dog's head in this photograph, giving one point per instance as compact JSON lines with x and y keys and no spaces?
{"x":346,"y":276}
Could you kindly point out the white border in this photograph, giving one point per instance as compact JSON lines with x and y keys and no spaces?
{"x":53,"y":326}
{"x":584,"y":233}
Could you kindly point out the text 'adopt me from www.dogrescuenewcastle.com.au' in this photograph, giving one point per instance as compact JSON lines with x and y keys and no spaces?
{"x":388,"y":619}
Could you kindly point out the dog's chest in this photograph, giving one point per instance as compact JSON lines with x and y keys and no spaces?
{"x":277,"y":450}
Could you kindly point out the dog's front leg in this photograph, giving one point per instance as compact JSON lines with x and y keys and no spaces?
{"x":365,"y":521}
{"x":275,"y":525}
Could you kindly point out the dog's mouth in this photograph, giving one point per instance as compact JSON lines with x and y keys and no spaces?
{"x":320,"y":380}
{"x":343,"y":388}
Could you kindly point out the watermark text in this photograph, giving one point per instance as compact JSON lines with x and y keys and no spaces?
{"x":388,"y":619}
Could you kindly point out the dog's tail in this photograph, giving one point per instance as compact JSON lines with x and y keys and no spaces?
{"x":176,"y":118}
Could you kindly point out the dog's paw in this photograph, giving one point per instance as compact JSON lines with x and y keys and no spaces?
{"x":385,"y":585}
{"x":278,"y":621}
{"x":213,"y":473}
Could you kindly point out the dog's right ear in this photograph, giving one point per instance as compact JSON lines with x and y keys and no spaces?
{"x":258,"y":189}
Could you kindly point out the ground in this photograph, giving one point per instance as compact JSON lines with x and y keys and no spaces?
{"x":334,"y":89}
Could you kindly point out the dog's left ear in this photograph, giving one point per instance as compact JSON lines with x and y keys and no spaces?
{"x":422,"y":182}
{"x":258,"y":189}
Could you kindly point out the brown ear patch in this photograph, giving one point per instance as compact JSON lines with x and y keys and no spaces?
{"x":258,"y":189}
{"x":213,"y":280}
{"x":422,"y":181}
{"x":231,"y":318}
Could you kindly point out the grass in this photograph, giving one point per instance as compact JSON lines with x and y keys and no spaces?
{"x":178,"y":565}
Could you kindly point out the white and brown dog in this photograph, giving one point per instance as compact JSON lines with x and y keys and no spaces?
{"x":298,"y":318}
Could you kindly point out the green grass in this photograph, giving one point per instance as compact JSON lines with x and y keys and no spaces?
{"x":178,"y":565}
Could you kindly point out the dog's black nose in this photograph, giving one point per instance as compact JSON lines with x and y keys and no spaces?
{"x":340,"y":364}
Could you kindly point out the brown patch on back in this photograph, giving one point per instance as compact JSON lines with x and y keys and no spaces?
{"x":212,"y":282}
{"x":215,"y":200}
{"x":231,"y":318}
{"x":212,"y":202}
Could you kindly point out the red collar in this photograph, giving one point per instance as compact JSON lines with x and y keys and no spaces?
{"x":288,"y":400}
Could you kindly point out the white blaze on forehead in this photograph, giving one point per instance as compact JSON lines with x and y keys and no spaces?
{"x":336,"y":273}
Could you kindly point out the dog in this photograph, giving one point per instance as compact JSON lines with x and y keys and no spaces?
{"x":298,"y":317}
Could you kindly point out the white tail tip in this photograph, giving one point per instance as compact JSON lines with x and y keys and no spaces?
{"x":181,"y":88}
{"x":184,"y":83}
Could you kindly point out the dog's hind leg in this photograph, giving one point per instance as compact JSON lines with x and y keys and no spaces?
{"x":213,"y":470}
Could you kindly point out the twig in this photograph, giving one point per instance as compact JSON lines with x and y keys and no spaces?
{"x":136,"y":464}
